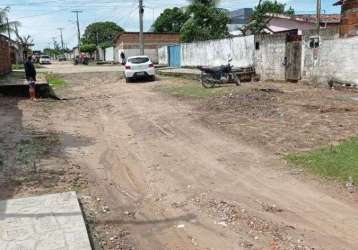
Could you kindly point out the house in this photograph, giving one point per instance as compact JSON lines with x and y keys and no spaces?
{"x":282,"y":23}
{"x":5,"y":60}
{"x":238,"y":18}
{"x":128,"y":42}
{"x":349,"y":16}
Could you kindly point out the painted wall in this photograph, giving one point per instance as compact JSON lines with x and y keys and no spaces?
{"x":109,"y":54}
{"x":163,"y":56}
{"x":270,"y":55}
{"x":216,"y":52}
{"x":335,"y":59}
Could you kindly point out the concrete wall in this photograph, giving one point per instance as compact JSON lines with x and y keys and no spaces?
{"x":270,"y":56}
{"x":151,"y":53}
{"x":5,"y":62}
{"x":109,"y":54}
{"x":163,"y":56}
{"x":334,"y":59}
{"x":216,"y":52}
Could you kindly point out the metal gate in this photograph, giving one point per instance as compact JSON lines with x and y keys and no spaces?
{"x":293,"y":60}
{"x":174,"y":55}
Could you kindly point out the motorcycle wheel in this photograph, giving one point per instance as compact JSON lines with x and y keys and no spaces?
{"x":206,"y":82}
{"x":236,"y":79}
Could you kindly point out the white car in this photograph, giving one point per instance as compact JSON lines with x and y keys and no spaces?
{"x":45,"y":59}
{"x":139,"y":67}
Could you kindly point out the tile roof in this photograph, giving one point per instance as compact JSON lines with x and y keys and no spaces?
{"x":325,"y":18}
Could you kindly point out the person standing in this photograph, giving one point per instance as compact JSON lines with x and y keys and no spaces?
{"x":30,"y":72}
{"x":123,"y":57}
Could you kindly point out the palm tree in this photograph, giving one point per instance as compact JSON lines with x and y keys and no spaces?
{"x":3,"y":21}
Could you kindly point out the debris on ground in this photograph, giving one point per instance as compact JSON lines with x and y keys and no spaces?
{"x":350,"y":185}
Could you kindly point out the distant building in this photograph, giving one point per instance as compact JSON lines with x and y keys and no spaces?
{"x":238,"y":18}
{"x":128,"y":42}
{"x":281,"y":23}
{"x":349,"y":13}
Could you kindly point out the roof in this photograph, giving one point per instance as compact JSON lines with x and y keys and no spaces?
{"x":339,"y":3}
{"x":325,"y":18}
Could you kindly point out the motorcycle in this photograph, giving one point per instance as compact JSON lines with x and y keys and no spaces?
{"x":81,"y":60}
{"x":211,"y":76}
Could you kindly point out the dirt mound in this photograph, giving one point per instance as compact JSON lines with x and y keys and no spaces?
{"x":255,"y":103}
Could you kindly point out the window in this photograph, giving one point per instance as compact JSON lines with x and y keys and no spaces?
{"x":314,"y":42}
{"x":138,"y":60}
{"x":257,"y":45}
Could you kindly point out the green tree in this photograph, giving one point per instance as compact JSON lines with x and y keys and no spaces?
{"x":260,"y":17}
{"x":88,"y":48}
{"x":52,"y":52}
{"x":101,"y":33}
{"x":171,"y":20}
{"x":206,"y":22}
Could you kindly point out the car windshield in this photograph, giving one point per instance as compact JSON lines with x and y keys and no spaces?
{"x":45,"y":57}
{"x":138,"y":60}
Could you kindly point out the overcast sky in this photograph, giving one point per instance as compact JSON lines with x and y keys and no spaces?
{"x":41,"y":18}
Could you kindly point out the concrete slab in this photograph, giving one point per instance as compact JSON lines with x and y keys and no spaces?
{"x":46,"y":222}
{"x":192,"y":74}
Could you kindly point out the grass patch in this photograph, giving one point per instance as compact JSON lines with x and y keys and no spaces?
{"x":20,"y":66}
{"x":55,"y":80}
{"x":338,"y":162}
{"x":192,"y":89}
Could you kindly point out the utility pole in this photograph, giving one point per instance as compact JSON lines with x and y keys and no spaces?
{"x":141,"y":38}
{"x":61,"y":29}
{"x":318,"y":17}
{"x":78,"y":28}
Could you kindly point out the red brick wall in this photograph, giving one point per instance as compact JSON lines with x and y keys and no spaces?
{"x":151,"y":40}
{"x":349,"y":21}
{"x":5,"y":65}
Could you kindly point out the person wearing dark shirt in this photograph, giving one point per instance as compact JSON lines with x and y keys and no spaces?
{"x":30,"y":72}
{"x":123,"y":57}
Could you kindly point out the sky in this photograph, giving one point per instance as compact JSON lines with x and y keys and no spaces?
{"x":42,"y":18}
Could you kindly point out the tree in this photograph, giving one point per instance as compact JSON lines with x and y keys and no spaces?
{"x":260,"y":17}
{"x":25,"y":42}
{"x":101,"y":33}
{"x":88,"y":48}
{"x":3,"y":21}
{"x":52,"y":52}
{"x":206,"y":22}
{"x":171,"y":20}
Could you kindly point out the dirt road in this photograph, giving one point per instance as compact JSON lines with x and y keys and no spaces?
{"x":171,"y":182}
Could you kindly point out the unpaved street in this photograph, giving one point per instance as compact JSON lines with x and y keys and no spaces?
{"x":169,"y":181}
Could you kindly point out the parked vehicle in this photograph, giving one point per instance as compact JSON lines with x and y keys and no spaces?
{"x":139,"y":67}
{"x":62,"y":58}
{"x":82,"y":59}
{"x":44,"y":59}
{"x":211,"y":76}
